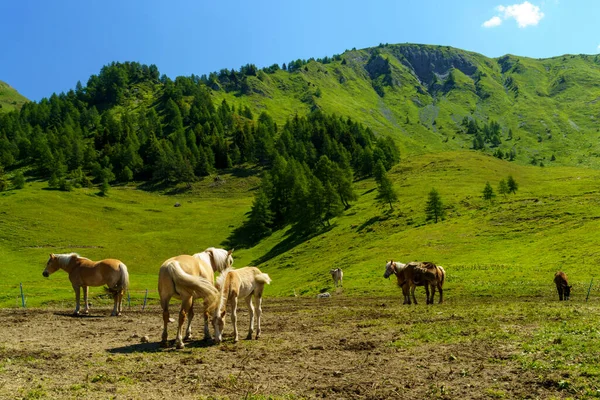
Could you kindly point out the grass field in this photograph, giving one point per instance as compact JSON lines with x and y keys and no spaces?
{"x":509,"y":247}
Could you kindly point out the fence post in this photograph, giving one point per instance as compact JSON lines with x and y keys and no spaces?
{"x":590,"y":288}
{"x":145,"y":299}
{"x":22,"y":295}
{"x":128,"y":299}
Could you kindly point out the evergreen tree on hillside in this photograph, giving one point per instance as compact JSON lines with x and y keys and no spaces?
{"x":502,"y":187}
{"x":385,"y":191}
{"x":488,"y":192}
{"x":512,"y":184}
{"x":434,"y":208}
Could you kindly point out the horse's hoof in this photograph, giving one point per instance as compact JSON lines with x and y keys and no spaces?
{"x":164,"y":344}
{"x":180,"y":345}
{"x":257,"y":337}
{"x":187,"y":338}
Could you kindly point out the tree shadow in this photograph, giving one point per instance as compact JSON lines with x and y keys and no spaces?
{"x":293,"y":239}
{"x":368,"y":223}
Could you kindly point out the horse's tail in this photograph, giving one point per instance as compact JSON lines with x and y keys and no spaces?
{"x":123,"y":282}
{"x":263,"y":278}
{"x":198,"y":286}
{"x":443,"y":275}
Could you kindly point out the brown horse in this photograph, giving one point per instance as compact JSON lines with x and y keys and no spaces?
{"x":562,"y":285}
{"x":415,"y":274}
{"x":202,"y":265}
{"x":245,"y":283}
{"x":84,"y":272}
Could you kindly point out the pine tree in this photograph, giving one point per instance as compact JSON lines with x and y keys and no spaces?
{"x":434,"y":208}
{"x":488,"y":192}
{"x":18,"y":180}
{"x":385,"y":192}
{"x":512,"y":184}
{"x":503,"y":187}
{"x":261,"y":216}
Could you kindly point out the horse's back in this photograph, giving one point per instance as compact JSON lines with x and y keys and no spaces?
{"x":97,"y":273}
{"x":560,"y":278}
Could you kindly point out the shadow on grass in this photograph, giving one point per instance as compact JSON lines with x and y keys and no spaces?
{"x":292,"y":240}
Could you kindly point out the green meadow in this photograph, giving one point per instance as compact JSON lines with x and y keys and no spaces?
{"x":507,"y":247}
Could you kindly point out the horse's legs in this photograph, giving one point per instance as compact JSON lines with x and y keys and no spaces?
{"x":258,"y":312}
{"x":234,"y":303}
{"x":429,"y":295}
{"x":250,"y":304}
{"x":188,"y":331}
{"x":412,"y":292}
{"x":405,"y":293}
{"x":77,"y":298}
{"x":86,"y":310}
{"x":115,"y":310}
{"x":186,"y":304}
{"x":165,"y":306}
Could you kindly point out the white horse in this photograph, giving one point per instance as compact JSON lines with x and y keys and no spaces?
{"x":172,"y":283}
{"x":245,"y":283}
{"x":338,"y":275}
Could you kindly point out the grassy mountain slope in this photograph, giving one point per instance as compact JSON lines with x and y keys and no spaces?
{"x":509,"y":247}
{"x":551,"y":105}
{"x":10,"y":99}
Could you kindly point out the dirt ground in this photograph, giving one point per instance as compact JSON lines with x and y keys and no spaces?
{"x":335,"y":348}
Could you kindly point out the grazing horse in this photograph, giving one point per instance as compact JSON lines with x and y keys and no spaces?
{"x":415,"y":274}
{"x":203,"y":265}
{"x":84,"y":272}
{"x":562,"y":285}
{"x":244,"y":283}
{"x":338,"y":276}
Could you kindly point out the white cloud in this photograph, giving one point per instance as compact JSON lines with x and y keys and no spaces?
{"x":599,"y":47}
{"x":525,"y":14}
{"x":492,"y":22}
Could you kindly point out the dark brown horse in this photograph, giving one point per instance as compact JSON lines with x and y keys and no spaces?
{"x":416,"y":274}
{"x":562,"y":285}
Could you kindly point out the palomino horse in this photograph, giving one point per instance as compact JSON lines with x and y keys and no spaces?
{"x":338,"y":275}
{"x":84,"y":272}
{"x":203,"y":265}
{"x":244,"y":283}
{"x":416,"y":274}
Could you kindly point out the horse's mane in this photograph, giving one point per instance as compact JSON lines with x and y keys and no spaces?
{"x":219,"y":258}
{"x":221,"y":278}
{"x":63,"y":259}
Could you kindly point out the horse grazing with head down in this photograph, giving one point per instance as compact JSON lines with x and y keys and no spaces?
{"x":173,"y":283}
{"x":338,"y":276}
{"x":84,"y":272}
{"x":415,"y":274}
{"x":562,"y":286}
{"x":245,"y":283}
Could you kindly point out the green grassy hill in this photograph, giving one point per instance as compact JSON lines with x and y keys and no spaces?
{"x":10,"y":99}
{"x":551,"y":105}
{"x":509,"y":247}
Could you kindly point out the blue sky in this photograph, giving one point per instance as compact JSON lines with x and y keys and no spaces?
{"x":47,"y":46}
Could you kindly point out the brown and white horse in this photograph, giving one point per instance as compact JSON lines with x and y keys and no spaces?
{"x":84,"y":272}
{"x":415,"y":274}
{"x":562,"y":286}
{"x":245,"y":283}
{"x":172,"y":284}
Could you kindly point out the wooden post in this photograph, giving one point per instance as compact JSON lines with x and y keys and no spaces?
{"x":145,"y":299}
{"x":128,"y":299}
{"x":22,"y":295}
{"x":589,"y":289}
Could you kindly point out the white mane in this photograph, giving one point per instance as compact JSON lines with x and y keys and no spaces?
{"x":63,"y":259}
{"x":219,"y":259}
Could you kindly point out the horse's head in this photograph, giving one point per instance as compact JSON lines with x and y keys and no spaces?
{"x":390,"y":268}
{"x":218,"y":320}
{"x":52,"y":265}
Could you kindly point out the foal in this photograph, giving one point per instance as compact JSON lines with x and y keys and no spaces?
{"x":245,"y":283}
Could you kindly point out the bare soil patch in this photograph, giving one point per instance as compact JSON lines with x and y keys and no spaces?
{"x":337,"y":348}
